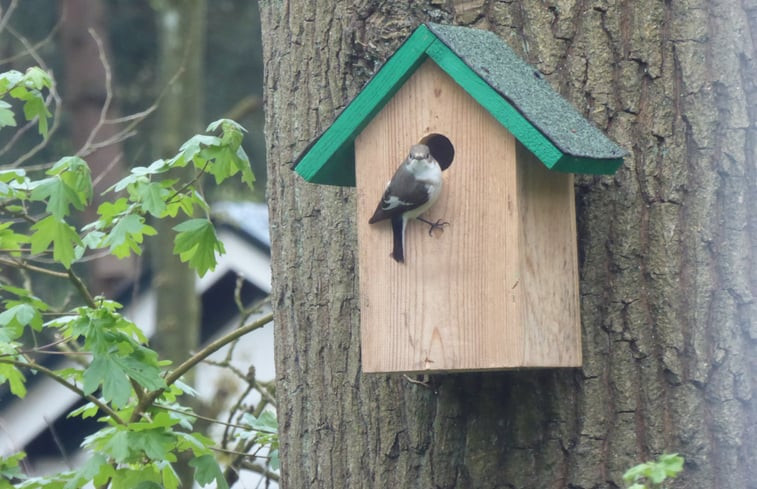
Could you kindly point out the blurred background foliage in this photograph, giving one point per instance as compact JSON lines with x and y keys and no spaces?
{"x":233,"y":72}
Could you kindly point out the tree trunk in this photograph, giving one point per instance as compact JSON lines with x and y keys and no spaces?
{"x":85,"y":94}
{"x":666,"y":250}
{"x":182,"y":43}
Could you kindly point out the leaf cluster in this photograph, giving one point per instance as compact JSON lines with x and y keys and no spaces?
{"x":129,"y":389}
{"x":652,"y":474}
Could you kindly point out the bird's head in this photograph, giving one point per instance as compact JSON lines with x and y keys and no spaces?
{"x":419,"y":152}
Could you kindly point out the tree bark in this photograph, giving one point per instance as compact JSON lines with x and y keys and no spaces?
{"x":667,"y":251}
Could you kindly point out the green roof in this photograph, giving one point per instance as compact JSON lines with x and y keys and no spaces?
{"x":513,"y":92}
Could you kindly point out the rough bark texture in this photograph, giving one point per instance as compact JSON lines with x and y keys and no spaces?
{"x":667,"y":252}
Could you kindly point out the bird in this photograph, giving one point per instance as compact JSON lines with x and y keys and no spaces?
{"x":413,"y":189}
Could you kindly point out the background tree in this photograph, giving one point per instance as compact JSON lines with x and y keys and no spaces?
{"x":88,"y":80}
{"x":181,"y":34}
{"x":41,"y":199}
{"x":667,"y":249}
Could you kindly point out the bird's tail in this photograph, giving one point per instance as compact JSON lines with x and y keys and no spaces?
{"x":398,"y":231}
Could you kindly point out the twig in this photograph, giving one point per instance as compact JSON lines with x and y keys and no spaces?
{"x":50,"y":35}
{"x":204,"y":418}
{"x":33,"y":268}
{"x":108,"y":89}
{"x":8,"y":12}
{"x":197,"y":358}
{"x":259,"y":470}
{"x":82,"y":288}
{"x":58,"y":443}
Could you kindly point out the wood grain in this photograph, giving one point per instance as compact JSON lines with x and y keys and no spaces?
{"x":457,"y":303}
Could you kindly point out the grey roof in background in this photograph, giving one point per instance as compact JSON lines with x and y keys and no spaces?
{"x":525,"y":88}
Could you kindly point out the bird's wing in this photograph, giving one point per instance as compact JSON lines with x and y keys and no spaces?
{"x":403,"y":194}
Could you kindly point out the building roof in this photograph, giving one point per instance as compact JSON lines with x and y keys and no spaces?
{"x":513,"y":92}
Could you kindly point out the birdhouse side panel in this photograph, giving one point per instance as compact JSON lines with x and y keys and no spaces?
{"x":449,"y":306}
{"x":549,"y":266}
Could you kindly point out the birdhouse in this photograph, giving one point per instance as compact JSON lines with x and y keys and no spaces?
{"x":496,"y":288}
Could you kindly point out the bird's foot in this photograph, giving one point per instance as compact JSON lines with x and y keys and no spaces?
{"x":439,"y":224}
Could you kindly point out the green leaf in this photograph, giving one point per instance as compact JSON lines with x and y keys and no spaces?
{"x":157,"y":444}
{"x":168,"y":475}
{"x":117,"y":446}
{"x":227,"y":124}
{"x":11,"y":240}
{"x":266,"y":422}
{"x":207,"y":470}
{"x":104,"y":370}
{"x":7,"y":117}
{"x":127,"y":235}
{"x":59,"y":196}
{"x":9,"y":79}
{"x":153,"y":197}
{"x":636,"y":472}
{"x":88,"y":410}
{"x":145,"y":374}
{"x":197,"y":244}
{"x":38,"y":78}
{"x":148,"y":485}
{"x":672,"y":463}
{"x":19,"y":315}
{"x":108,"y":212}
{"x":35,"y":107}
{"x":192,"y":147}
{"x":10,"y":467}
{"x":137,"y":475}
{"x":14,"y":377}
{"x":69,"y":184}
{"x":62,"y":236}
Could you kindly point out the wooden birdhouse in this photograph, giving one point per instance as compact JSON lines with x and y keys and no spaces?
{"x":498,"y":287}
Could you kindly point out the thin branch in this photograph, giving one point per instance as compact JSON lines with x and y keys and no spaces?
{"x":238,"y":454}
{"x":82,"y":288}
{"x":107,"y":169}
{"x":58,"y":443}
{"x":215,"y":346}
{"x":33,"y":268}
{"x":204,"y":418}
{"x":108,"y":91}
{"x":8,"y":12}
{"x":57,"y":378}
{"x":35,"y":48}
{"x":259,"y":470}
{"x":197,"y":358}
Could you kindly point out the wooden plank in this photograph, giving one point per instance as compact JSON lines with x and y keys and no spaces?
{"x":549,"y":267}
{"x":454,"y":303}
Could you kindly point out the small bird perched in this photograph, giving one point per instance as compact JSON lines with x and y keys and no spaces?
{"x":414,"y":188}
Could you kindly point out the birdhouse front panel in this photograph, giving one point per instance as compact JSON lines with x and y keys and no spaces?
{"x":496,"y":288}
{"x":449,"y":305}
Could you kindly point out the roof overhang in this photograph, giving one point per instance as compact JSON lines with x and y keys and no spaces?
{"x":330,"y":158}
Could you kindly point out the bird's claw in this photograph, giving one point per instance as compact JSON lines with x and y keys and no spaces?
{"x":439,"y":224}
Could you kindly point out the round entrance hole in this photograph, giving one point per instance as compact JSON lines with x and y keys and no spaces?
{"x":441,"y":148}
